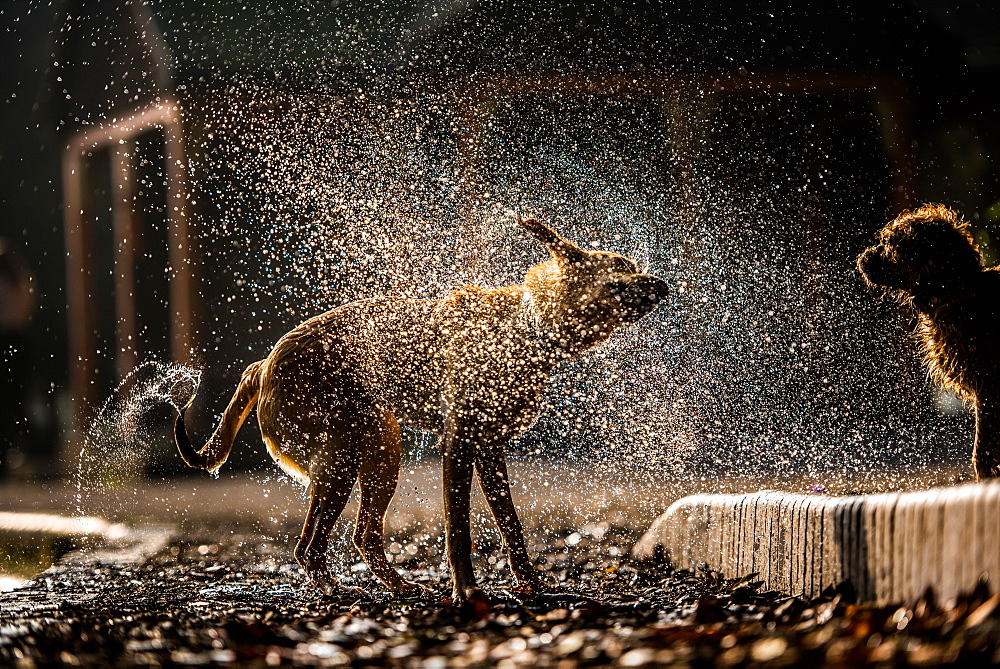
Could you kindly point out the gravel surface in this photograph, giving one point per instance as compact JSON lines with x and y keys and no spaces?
{"x":189,"y":598}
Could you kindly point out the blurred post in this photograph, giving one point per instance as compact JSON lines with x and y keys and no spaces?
{"x":119,"y":138}
{"x":182,"y":266}
{"x":81,"y":317}
{"x":123,"y":188}
{"x":17,"y":304}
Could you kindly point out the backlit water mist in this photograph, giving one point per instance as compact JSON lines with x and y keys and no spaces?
{"x":769,"y":359}
{"x":129,"y":430}
{"x":770,"y":356}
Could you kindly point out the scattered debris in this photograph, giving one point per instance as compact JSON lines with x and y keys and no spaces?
{"x":241,"y":600}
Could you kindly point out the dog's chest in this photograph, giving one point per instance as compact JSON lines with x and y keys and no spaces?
{"x":960,"y":346}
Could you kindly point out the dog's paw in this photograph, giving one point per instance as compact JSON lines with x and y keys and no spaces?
{"x":324,"y":582}
{"x":530,"y":589}
{"x":464,"y":595}
{"x":530,"y":583}
{"x":330,"y":586}
{"x":534,"y":589}
{"x":411,"y":590}
{"x":472,"y":603}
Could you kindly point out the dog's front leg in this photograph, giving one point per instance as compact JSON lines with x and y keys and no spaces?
{"x":457,"y":452}
{"x":495,"y":484}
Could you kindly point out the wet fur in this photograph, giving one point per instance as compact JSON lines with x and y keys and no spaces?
{"x":926,"y":258}
{"x":469,"y":367}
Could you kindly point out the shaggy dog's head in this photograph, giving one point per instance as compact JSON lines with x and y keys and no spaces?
{"x":583,"y":296}
{"x":922,"y":255}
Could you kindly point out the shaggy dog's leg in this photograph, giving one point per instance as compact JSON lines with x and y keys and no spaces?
{"x":495,"y":484}
{"x":377,"y":478}
{"x":986,"y":451}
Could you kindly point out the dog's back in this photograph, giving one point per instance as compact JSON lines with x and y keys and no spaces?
{"x":403,"y":355}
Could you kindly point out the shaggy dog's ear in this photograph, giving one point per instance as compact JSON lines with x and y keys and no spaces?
{"x":561,"y":248}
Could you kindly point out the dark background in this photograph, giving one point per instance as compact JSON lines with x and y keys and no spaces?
{"x":946,"y":55}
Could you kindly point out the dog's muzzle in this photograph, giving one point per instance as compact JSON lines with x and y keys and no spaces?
{"x":877,"y":270}
{"x":640,"y":294}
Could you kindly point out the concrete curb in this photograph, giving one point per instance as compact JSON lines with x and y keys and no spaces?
{"x":889,"y":547}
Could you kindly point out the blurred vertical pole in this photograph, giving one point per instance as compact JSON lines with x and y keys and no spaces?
{"x":123,"y":188}
{"x":182,"y":266}
{"x":80,"y":308}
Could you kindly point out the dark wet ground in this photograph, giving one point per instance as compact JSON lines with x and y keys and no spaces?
{"x":235,"y":598}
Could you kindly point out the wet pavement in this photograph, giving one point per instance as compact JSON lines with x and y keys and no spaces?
{"x":205,"y":576}
{"x":207,"y":596}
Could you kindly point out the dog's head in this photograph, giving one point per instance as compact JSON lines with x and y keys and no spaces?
{"x":581,"y":296}
{"x":922,"y":254}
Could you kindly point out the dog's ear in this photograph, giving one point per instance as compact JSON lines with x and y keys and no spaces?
{"x":559,"y":247}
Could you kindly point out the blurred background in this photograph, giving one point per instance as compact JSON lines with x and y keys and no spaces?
{"x":183,"y":181}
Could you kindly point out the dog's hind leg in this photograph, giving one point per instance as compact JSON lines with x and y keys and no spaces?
{"x":331,"y":481}
{"x":495,"y":484}
{"x":378,"y":475}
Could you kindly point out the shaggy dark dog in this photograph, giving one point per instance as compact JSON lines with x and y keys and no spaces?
{"x":927,"y":258}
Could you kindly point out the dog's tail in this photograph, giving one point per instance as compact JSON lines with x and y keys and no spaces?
{"x":218,"y":447}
